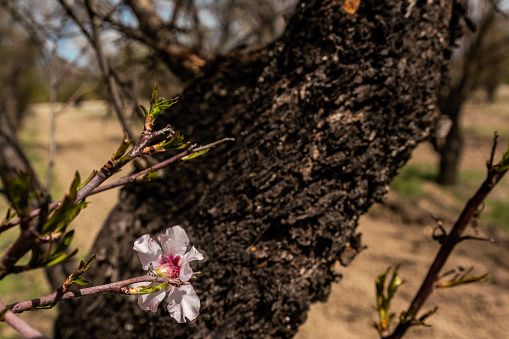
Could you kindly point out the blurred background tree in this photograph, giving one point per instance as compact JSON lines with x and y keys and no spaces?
{"x":480,"y":62}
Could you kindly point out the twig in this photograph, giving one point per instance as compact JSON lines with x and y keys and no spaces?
{"x":96,"y":42}
{"x":20,"y":326}
{"x":493,"y":148}
{"x":449,"y":241}
{"x":53,"y":123}
{"x":59,"y":295}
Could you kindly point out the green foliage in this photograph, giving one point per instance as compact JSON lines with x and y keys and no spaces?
{"x":58,"y":254}
{"x":94,"y":172}
{"x":19,"y":192}
{"x":8,"y":214}
{"x":421,"y":321}
{"x":462,"y":278}
{"x":503,"y":165}
{"x":126,"y":142}
{"x":174,"y":144}
{"x":151,"y":288}
{"x":384,"y":298}
{"x":66,"y":212}
{"x":75,"y":277}
{"x":195,"y":154}
{"x":46,"y":306}
{"x":157,"y":106}
{"x":51,"y":229}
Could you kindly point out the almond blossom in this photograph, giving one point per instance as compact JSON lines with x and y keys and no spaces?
{"x":171,"y":261}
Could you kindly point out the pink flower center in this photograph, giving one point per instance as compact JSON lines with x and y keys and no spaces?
{"x":170,"y":267}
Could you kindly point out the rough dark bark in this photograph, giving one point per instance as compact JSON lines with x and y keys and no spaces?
{"x":324,"y":118}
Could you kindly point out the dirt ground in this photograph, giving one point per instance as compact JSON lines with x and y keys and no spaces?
{"x":86,"y":139}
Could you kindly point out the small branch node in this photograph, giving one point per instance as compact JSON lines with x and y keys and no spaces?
{"x":493,"y":149}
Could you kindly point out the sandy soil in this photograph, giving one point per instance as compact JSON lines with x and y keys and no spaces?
{"x":86,"y":139}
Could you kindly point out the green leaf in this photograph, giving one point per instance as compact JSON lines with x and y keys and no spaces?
{"x":462,"y":279}
{"x":19,"y":192}
{"x":85,"y":266}
{"x":384,"y":298}
{"x":93,"y":174}
{"x":157,"y":106}
{"x":126,"y":158}
{"x":45,"y":307}
{"x":144,"y":110}
{"x":154,"y":99}
{"x":503,"y":165}
{"x":195,"y":155}
{"x":63,"y":215}
{"x":8,"y":214}
{"x":380,"y":281}
{"x":395,"y":283}
{"x":73,"y":190}
{"x":61,"y":258}
{"x":62,"y":246}
{"x":151,"y":288}
{"x":2,"y":313}
{"x":67,"y":211}
{"x":151,"y":175}
{"x":79,"y":281}
{"x":176,"y":143}
{"x":126,"y":142}
{"x":161,"y":106}
{"x":421,"y":320}
{"x":36,"y":257}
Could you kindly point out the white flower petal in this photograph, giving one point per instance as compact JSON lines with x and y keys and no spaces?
{"x":183,"y":302}
{"x":175,"y":241}
{"x":185,"y":270}
{"x":148,"y":250}
{"x":149,"y":302}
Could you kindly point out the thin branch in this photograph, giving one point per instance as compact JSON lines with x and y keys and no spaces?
{"x":53,"y":120}
{"x":105,"y":69}
{"x":71,"y":14}
{"x":25,"y":330}
{"x":493,"y":148}
{"x":59,"y":295}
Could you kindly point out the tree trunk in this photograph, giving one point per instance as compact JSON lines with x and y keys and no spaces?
{"x":323,"y":118}
{"x":12,"y":157}
{"x":473,"y":67}
{"x":450,"y":154}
